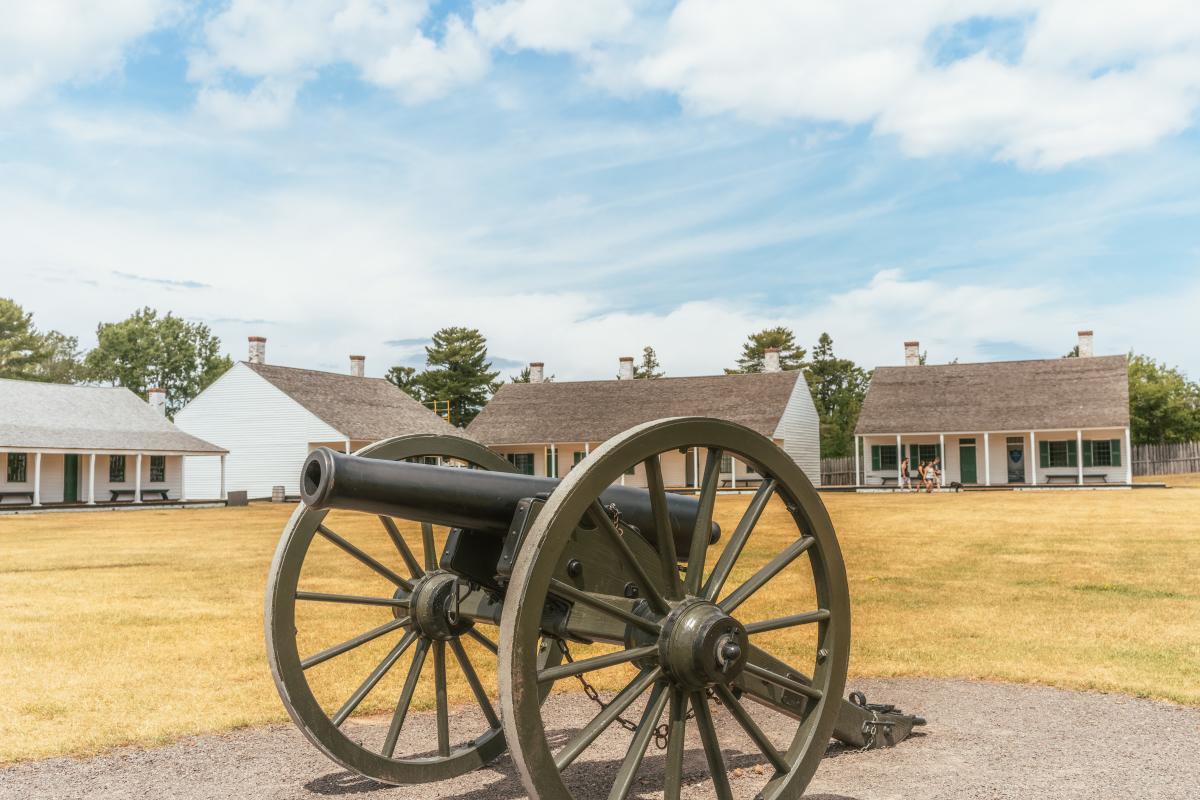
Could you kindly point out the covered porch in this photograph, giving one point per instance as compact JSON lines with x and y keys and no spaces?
{"x":1006,"y":458}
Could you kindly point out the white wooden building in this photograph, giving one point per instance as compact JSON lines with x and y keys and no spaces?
{"x":545,"y":428}
{"x":1042,"y":422}
{"x":270,"y":417}
{"x":93,"y":445}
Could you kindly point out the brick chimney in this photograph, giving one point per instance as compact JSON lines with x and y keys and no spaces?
{"x":912,"y":354}
{"x":537,"y":372}
{"x":358,"y":366}
{"x":258,"y":350}
{"x":626,"y":372}
{"x":1086,"y":344}
{"x":157,"y":398}
{"x":771,"y":360}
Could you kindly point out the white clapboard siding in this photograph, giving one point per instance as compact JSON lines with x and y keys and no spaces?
{"x":266,"y":433}
{"x":800,"y":430}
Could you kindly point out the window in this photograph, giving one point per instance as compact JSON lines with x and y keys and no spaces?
{"x":1057,"y":454}
{"x":116,"y":469}
{"x":883,"y":457}
{"x":522,"y":461}
{"x":632,"y":470}
{"x":577,"y":457}
{"x":1102,"y":453}
{"x":158,"y":469}
{"x":17,"y":464}
{"x":922,"y":452}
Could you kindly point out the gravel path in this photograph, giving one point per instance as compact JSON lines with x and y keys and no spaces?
{"x":984,"y":740}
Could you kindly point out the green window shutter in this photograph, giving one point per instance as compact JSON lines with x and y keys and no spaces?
{"x":1115,"y":444}
{"x":1072,"y":455}
{"x":875,"y":457}
{"x":1044,"y":454}
{"x":1087,"y":453}
{"x":914,"y":456}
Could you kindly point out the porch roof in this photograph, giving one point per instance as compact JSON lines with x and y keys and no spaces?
{"x":53,"y":416}
{"x":1043,"y":394}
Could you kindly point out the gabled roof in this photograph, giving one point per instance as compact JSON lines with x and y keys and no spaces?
{"x":592,"y":411}
{"x":358,"y":408}
{"x":1046,"y":394}
{"x":56,"y":416}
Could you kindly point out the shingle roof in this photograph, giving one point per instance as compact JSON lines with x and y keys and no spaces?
{"x":358,"y":408}
{"x":56,"y":416}
{"x":592,"y":411}
{"x":1048,"y":394}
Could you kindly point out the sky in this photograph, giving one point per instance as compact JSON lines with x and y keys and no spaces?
{"x":580,"y":179}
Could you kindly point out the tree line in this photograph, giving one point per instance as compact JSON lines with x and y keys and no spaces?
{"x":148,"y":349}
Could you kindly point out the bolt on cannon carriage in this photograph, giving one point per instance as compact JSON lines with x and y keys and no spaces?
{"x":643,"y":580}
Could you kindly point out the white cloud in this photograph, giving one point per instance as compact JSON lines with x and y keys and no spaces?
{"x":553,"y":26}
{"x":283,"y":44}
{"x":49,"y":42}
{"x":1093,"y":79}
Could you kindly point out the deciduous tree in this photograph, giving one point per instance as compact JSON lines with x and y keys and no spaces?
{"x":27,"y":354}
{"x":1164,"y":406}
{"x":838,"y":387}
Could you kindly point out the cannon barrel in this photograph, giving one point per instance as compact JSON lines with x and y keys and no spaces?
{"x":465,"y":498}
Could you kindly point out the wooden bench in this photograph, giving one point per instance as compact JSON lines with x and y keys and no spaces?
{"x":117,"y":494}
{"x":889,"y":480}
{"x":1062,"y":477}
{"x":17,"y":493}
{"x":747,"y":482}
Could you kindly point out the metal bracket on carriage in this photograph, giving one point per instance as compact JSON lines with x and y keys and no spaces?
{"x":871,"y":726}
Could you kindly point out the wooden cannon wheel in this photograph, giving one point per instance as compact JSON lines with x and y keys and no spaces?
{"x":684,"y":632}
{"x":407,"y":623}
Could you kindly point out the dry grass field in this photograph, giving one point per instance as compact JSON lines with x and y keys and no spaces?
{"x":140,"y":627}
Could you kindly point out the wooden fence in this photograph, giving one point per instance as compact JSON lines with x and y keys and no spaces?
{"x":837,"y":471}
{"x":1163,"y":459}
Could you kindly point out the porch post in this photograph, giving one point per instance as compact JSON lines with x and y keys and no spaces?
{"x":942,"y":453}
{"x":137,"y":479}
{"x":1033,"y":458}
{"x":857,"y":444}
{"x":987,"y":461}
{"x":1128,"y":459}
{"x":696,"y":467}
{"x":223,"y":495}
{"x":37,"y":478}
{"x":182,"y":479}
{"x":1079,"y":454}
{"x":899,"y":461}
{"x":586,"y":449}
{"x":92,"y":480}
{"x":733,"y":473}
{"x":347,"y":445}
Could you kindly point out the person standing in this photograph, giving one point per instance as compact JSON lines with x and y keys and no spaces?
{"x":905,"y":481}
{"x":934,"y":474}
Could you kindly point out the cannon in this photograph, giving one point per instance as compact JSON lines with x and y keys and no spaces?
{"x":687,"y":624}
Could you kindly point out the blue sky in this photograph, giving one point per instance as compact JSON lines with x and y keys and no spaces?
{"x":582,"y":179}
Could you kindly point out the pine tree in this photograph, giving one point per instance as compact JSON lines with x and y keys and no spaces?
{"x":753,"y":351}
{"x":458,"y":371}
{"x":838,"y":387}
{"x":649,"y":368}
{"x":406,"y":380}
{"x":22,"y":350}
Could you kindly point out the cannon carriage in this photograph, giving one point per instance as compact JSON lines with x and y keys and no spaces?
{"x":642,"y":583}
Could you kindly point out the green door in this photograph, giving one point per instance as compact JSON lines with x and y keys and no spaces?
{"x":966,"y":463}
{"x":71,"y":478}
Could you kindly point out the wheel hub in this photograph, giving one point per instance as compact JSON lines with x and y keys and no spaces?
{"x":701,"y":645}
{"x":432,"y":607}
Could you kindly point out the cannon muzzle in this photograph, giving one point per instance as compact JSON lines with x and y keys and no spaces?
{"x":466,"y":498}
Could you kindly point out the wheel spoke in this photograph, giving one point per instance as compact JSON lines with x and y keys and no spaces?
{"x":712,"y":747}
{"x":376,"y":675}
{"x":350,"y":644}
{"x":364,"y":558}
{"x":483,"y":640}
{"x":676,"y":728}
{"x":428,"y":546}
{"x":782,"y":680}
{"x":601,"y":518}
{"x":768,"y":571}
{"x":324,"y":597}
{"x":414,"y":567}
{"x":733,"y":550}
{"x":443,"y":707}
{"x":464,"y":663}
{"x":571,"y":593}
{"x":597,"y":662}
{"x":605,"y":718}
{"x":751,"y":728}
{"x":807,"y":618}
{"x":702,"y":533}
{"x":664,"y":534}
{"x":637,"y":747}
{"x":406,"y":695}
